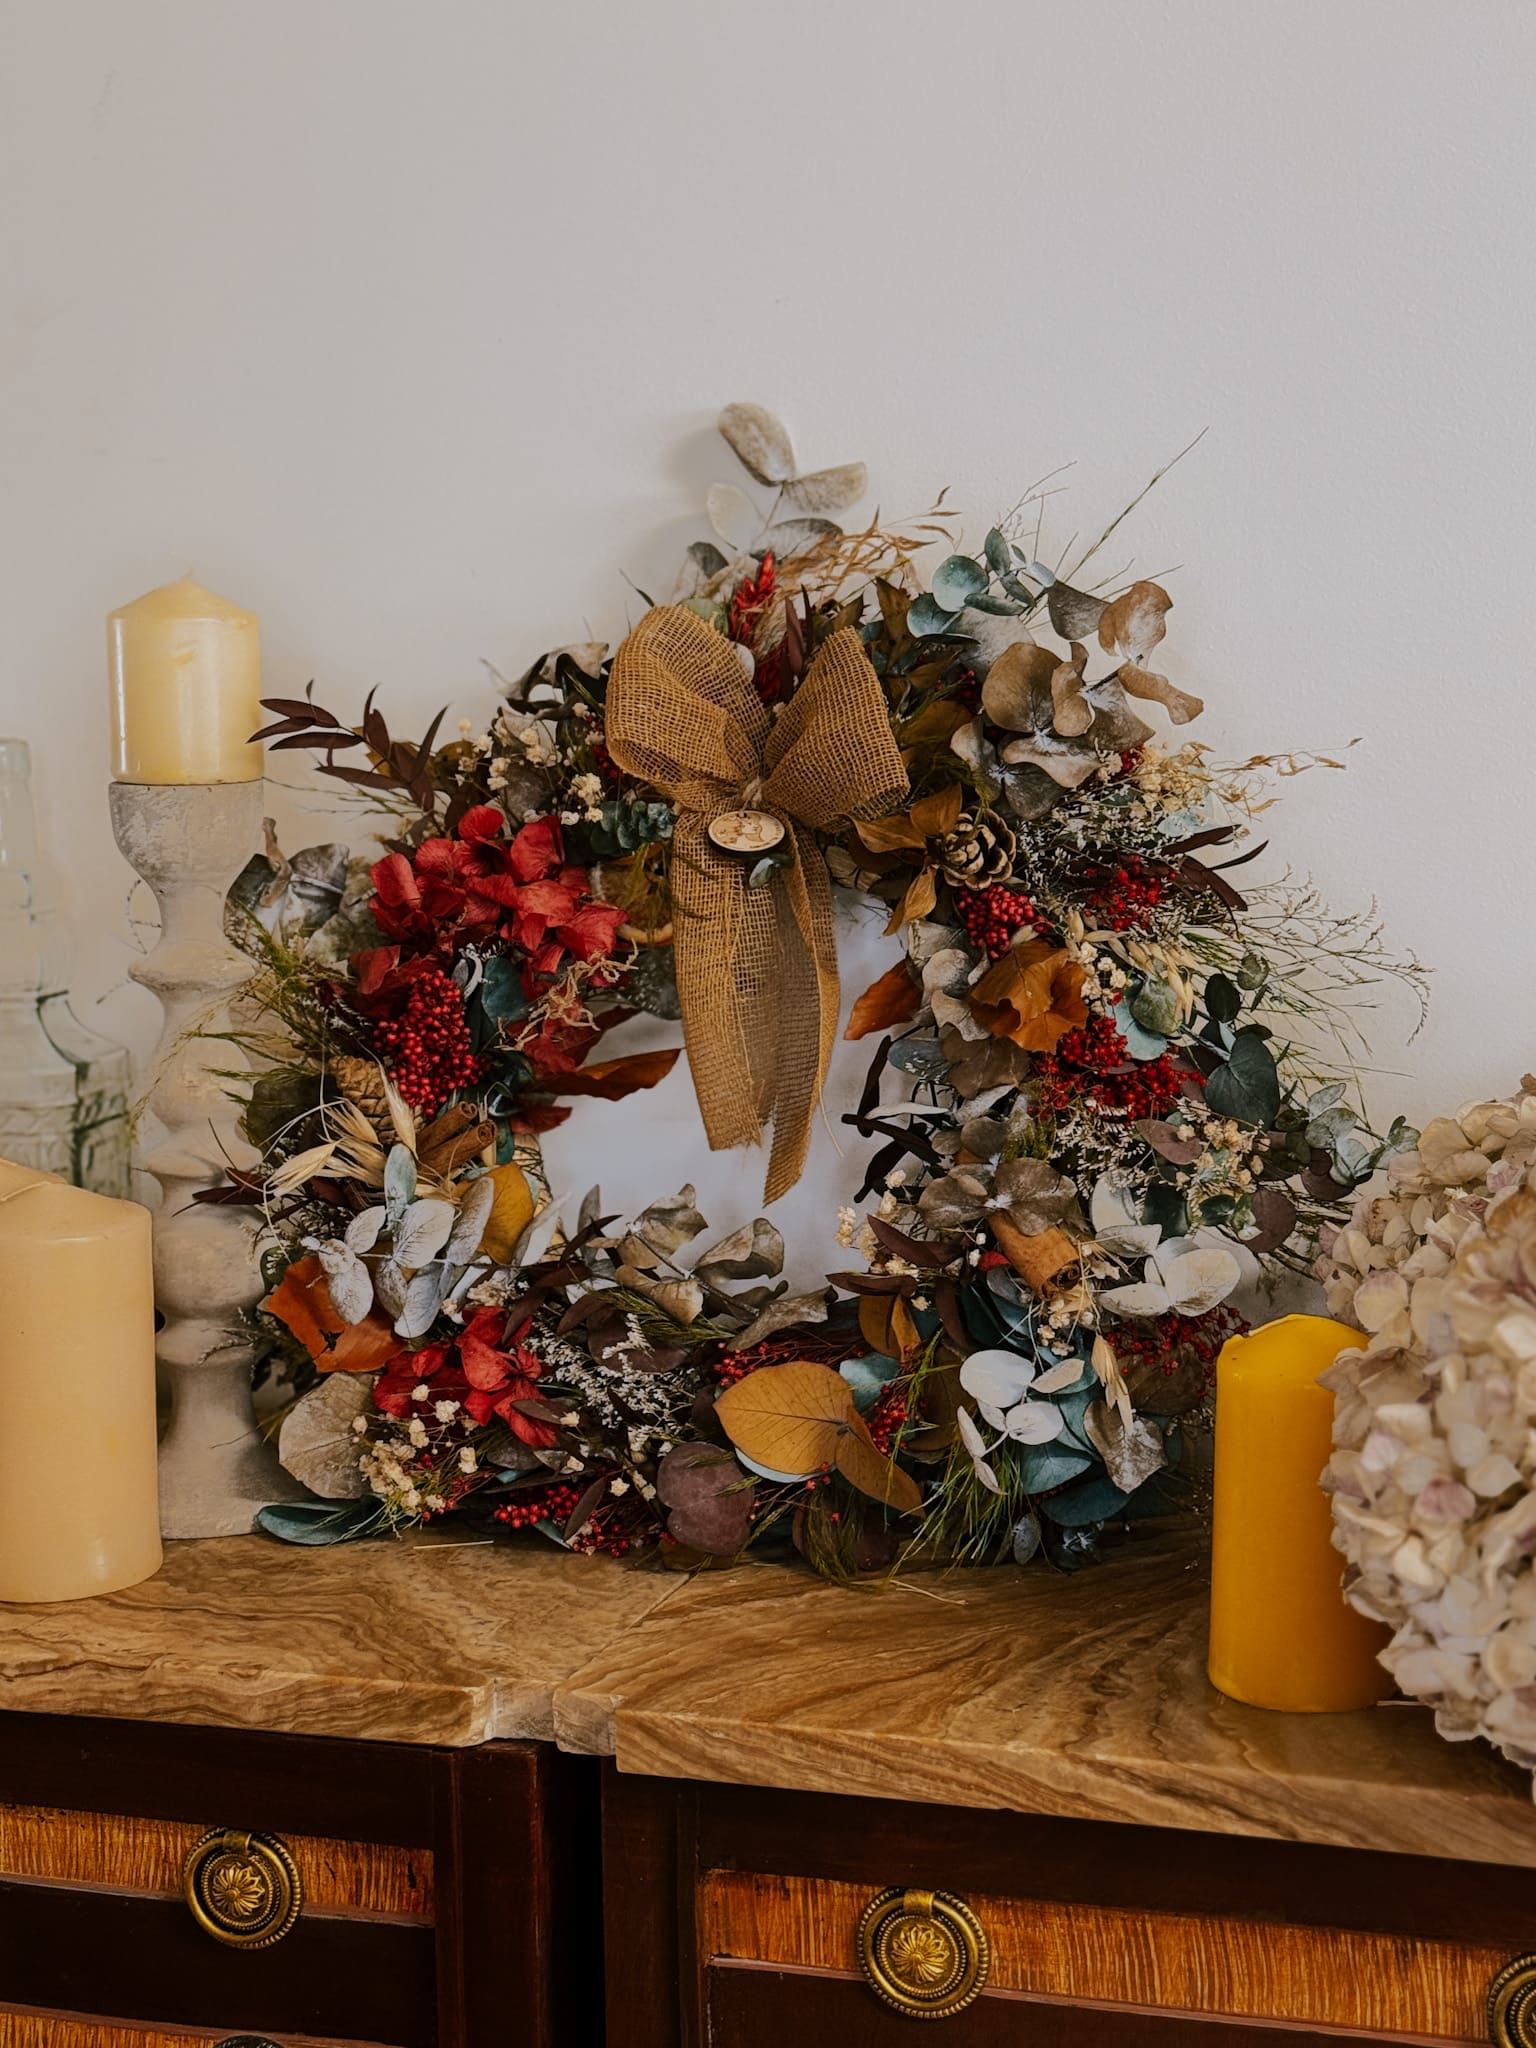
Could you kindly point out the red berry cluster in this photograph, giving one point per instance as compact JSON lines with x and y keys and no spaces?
{"x":828,"y":1349}
{"x":1092,"y":1064}
{"x":428,"y":1045}
{"x":1171,"y":1341}
{"x":887,"y":1416}
{"x":531,"y":1505}
{"x":1122,"y":896}
{"x":992,"y":916}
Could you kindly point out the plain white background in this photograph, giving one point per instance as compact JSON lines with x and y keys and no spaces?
{"x":405,"y":325}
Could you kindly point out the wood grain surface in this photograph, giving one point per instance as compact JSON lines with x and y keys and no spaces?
{"x":413,"y":1641}
{"x":115,"y":1852}
{"x":33,"y":2029}
{"x":1082,"y":1696}
{"x":1241,"y":1969}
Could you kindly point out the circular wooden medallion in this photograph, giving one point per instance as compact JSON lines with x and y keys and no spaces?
{"x":925,"y":1953}
{"x":746,"y":831}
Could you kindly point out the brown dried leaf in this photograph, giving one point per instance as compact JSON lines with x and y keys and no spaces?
{"x":784,"y":1314}
{"x":890,"y":1000}
{"x":1174,"y":1145}
{"x":1132,"y":1450}
{"x":1017,"y":692}
{"x":709,"y":1497}
{"x":612,"y":1080}
{"x":755,"y":1251}
{"x":1132,"y":624}
{"x":317,"y":1442}
{"x":1074,"y":613}
{"x":1072,"y":714}
{"x":1142,"y":682}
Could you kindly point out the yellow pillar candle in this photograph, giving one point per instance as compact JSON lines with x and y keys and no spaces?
{"x":78,"y":1509}
{"x":1282,"y":1633}
{"x":185,"y":670}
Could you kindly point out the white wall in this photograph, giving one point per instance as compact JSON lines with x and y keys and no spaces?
{"x":405,"y":325}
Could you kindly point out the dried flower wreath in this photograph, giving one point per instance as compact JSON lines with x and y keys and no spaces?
{"x":1102,"y":1091}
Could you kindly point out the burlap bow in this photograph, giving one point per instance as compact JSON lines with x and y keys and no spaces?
{"x":756,"y":968}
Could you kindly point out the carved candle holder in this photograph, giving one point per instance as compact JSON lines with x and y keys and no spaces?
{"x":188,"y":841}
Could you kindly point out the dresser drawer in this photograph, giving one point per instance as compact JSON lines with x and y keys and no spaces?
{"x":785,"y":1911}
{"x":167,"y":1887}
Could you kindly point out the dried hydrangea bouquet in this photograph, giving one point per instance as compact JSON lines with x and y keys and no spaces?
{"x":1434,"y":1475}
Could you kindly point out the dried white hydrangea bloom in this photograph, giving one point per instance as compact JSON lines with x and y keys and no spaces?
{"x":1434,"y":1472}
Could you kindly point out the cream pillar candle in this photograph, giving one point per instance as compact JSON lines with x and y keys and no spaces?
{"x":185,"y":671}
{"x":78,"y":1508}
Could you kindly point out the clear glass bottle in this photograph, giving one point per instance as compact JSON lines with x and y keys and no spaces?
{"x":63,"y":1089}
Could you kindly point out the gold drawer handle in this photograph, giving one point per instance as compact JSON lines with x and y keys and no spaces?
{"x":1512,"y":2005}
{"x":243,"y":1889}
{"x":247,"y":2041}
{"x":925,"y":1953}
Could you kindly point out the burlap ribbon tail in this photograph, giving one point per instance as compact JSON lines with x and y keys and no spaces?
{"x":756,"y":967}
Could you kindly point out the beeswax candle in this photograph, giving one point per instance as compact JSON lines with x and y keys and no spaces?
{"x":78,"y":1507}
{"x":1282,"y":1633}
{"x":185,"y":669}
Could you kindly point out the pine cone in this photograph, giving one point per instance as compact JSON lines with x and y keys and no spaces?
{"x":362,"y":1082}
{"x":978,"y":851}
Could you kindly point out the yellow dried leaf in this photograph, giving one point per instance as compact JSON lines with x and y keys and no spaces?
{"x":1038,"y":1257}
{"x":921,"y":896}
{"x":788,"y":1417}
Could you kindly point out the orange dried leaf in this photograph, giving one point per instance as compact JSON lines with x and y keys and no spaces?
{"x":864,"y":1467}
{"x":890,"y":1000}
{"x":1034,"y":996}
{"x":875,"y":1322}
{"x":301,"y":1301}
{"x":614,"y":1079}
{"x":1038,"y":1257}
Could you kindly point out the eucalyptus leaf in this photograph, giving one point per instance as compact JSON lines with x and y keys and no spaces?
{"x":362,"y":1233}
{"x":733,"y":516}
{"x":347,"y":1281}
{"x":956,"y":581}
{"x":790,"y":537}
{"x":474,"y":1213}
{"x":423,"y":1297}
{"x":1223,"y":998}
{"x":423,"y":1230}
{"x":760,"y":442}
{"x":998,"y":553}
{"x":298,"y":1523}
{"x":1248,"y":1086}
{"x":869,"y":1377}
{"x":926,"y":617}
{"x":755,"y":1251}
{"x":1140,"y":1043}
{"x":827,"y":490}
{"x":399,"y":1181}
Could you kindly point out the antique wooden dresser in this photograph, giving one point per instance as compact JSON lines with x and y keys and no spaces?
{"x":442,"y":1796}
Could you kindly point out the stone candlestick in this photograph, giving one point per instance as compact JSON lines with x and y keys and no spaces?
{"x":188,"y":841}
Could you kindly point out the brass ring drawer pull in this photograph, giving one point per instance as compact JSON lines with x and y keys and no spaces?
{"x":925,"y":1953}
{"x":243,"y":1889}
{"x":1512,"y":2005}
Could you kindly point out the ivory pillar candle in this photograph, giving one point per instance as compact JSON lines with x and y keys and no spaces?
{"x":1282,"y":1633}
{"x":78,"y":1508}
{"x":185,"y":669}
